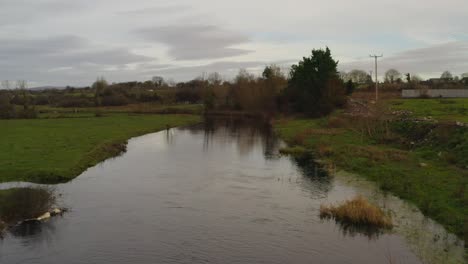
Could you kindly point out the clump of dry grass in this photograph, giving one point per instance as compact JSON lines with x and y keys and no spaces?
{"x":357,"y":211}
{"x":338,"y":122}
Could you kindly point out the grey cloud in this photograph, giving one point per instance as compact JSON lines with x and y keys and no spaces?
{"x":196,"y":42}
{"x":63,"y":51}
{"x":430,"y":60}
{"x":27,"y":47}
{"x":41,"y":59}
{"x":16,"y":12}
{"x":157,"y":10}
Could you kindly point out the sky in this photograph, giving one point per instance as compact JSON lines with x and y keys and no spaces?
{"x":70,"y":42}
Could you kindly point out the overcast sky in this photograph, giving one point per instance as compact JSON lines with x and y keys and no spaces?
{"x":71,"y":42}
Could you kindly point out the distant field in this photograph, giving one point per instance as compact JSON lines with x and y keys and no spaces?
{"x":440,"y":109}
{"x":56,"y":150}
{"x":148,"y":108}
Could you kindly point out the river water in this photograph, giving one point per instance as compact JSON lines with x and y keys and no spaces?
{"x":219,"y":192}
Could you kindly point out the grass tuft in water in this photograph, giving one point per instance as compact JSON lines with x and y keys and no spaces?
{"x":19,"y":204}
{"x":357,"y":211}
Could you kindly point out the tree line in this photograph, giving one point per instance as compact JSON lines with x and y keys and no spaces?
{"x":312,"y":87}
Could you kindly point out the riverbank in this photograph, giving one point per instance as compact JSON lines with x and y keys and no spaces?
{"x":59,"y":149}
{"x":410,"y":160}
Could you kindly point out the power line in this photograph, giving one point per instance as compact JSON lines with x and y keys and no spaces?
{"x":376,"y":76}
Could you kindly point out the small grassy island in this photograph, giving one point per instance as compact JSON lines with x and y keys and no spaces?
{"x":357,"y":211}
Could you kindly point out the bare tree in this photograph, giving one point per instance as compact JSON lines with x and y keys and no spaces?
{"x":392,"y":75}
{"x":214,"y":78}
{"x":21,"y":84}
{"x":357,"y":76}
{"x":158,"y":81}
{"x":6,"y":85}
{"x":272,"y":71}
{"x":99,"y":85}
{"x":446,"y":75}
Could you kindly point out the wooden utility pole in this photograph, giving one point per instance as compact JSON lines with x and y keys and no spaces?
{"x":376,"y":76}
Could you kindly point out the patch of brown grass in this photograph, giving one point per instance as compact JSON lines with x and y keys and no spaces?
{"x":324,"y":150}
{"x":301,"y":137}
{"x":377,"y":154}
{"x":357,"y":211}
{"x":338,"y":122}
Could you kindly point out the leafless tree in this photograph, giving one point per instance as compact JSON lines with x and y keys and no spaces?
{"x":158,"y":81}
{"x":214,"y":78}
{"x":392,"y":75}
{"x":6,"y":85}
{"x":446,"y":75}
{"x":21,"y":84}
{"x":357,"y":76}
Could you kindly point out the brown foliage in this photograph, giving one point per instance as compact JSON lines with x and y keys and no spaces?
{"x":357,"y":211}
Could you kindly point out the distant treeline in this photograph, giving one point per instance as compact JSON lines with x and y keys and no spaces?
{"x":313,"y":87}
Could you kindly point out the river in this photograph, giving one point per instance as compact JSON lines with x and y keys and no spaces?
{"x":219,"y":192}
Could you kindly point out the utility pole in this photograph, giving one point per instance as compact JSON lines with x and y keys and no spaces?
{"x":376,"y":76}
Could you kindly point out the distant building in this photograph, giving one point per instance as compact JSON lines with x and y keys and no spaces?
{"x":434,"y":93}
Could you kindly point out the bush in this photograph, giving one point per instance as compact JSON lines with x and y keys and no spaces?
{"x":74,"y":101}
{"x":29,"y":113}
{"x":7,"y":110}
{"x":146,"y":97}
{"x":41,"y":100}
{"x":114,"y":100}
{"x":188,"y":95}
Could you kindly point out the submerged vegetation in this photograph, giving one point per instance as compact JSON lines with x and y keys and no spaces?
{"x":357,"y":211}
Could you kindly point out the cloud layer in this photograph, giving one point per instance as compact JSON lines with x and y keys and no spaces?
{"x":60,"y":42}
{"x":429,"y":61}
{"x":196,"y":42}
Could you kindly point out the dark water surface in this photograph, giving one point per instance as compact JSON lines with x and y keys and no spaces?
{"x":212,"y":193}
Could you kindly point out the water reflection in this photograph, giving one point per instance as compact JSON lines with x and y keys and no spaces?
{"x":353,"y":230}
{"x":30,"y":228}
{"x":245,"y":133}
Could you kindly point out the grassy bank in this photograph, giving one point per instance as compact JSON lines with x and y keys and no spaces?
{"x":417,"y":172}
{"x":440,"y":109}
{"x":57,"y":150}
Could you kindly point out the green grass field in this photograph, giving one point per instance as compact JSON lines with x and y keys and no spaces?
{"x":57,"y":150}
{"x":437,"y":188}
{"x":440,"y":109}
